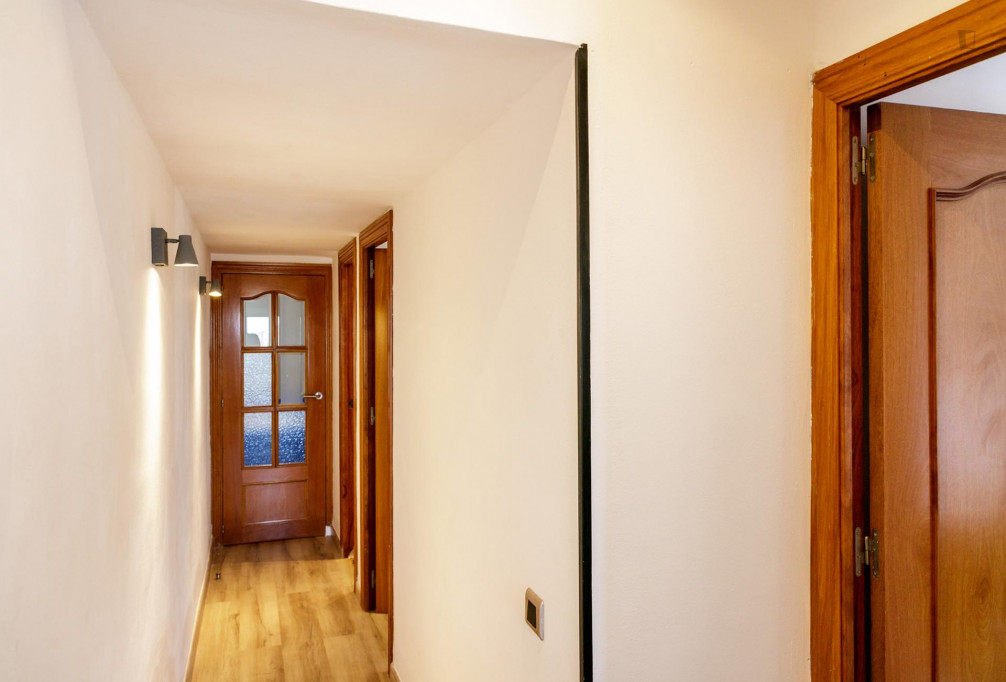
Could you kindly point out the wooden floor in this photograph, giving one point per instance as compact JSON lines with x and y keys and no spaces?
{"x":287,"y":611}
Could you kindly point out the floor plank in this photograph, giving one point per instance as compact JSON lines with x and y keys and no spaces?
{"x":287,"y":611}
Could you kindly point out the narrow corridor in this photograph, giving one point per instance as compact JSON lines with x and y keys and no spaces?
{"x":287,"y":611}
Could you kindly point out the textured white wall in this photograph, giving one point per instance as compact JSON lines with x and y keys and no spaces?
{"x":700,"y":141}
{"x":105,"y":494}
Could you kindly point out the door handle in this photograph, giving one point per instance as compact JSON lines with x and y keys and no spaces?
{"x":316,"y":396}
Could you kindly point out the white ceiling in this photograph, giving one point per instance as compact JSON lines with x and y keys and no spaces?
{"x":288,"y":125}
{"x":979,"y":87}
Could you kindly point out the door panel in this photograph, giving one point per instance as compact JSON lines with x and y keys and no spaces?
{"x":382,"y":431}
{"x":274,"y":437}
{"x":936,"y":340}
{"x":347,"y":406}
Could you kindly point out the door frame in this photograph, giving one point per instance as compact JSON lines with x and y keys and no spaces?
{"x":220,"y":268}
{"x":376,"y":233}
{"x":347,"y":391}
{"x":957,"y":38}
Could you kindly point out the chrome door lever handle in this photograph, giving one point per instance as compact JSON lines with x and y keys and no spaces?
{"x":317,"y":396}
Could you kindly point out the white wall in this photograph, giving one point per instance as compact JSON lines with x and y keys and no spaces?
{"x":700,"y":141}
{"x":843,"y":28}
{"x":485,"y":460}
{"x":105,"y":494}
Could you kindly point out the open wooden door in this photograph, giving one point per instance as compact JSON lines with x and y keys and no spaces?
{"x":937,"y":396}
{"x":347,"y":397}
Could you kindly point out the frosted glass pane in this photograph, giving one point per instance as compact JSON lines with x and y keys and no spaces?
{"x":258,"y":321}
{"x":291,"y":378}
{"x":258,"y":439}
{"x":258,"y":379}
{"x":291,"y":321}
{"x":292,"y":427}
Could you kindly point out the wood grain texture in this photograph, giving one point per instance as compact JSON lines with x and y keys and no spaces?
{"x":831,"y":647}
{"x":968,"y":368}
{"x":217,"y":371}
{"x":286,"y":611}
{"x":959,"y":37}
{"x":348,"y":403}
{"x":917,"y":148}
{"x":910,"y":58}
{"x":287,"y":511}
{"x":382,"y":431}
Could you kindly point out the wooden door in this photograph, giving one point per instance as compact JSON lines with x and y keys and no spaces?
{"x":274,"y":425}
{"x":382,"y":431}
{"x":937,"y":394}
{"x":347,"y":398}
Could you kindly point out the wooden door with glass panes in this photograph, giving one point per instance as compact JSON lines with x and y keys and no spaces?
{"x":274,"y":435}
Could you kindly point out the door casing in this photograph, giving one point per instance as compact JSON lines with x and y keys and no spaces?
{"x":957,"y":38}
{"x":219,"y":269}
{"x":378,"y":232}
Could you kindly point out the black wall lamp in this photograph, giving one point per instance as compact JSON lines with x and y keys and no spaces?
{"x":186,"y":255}
{"x":210,"y":287}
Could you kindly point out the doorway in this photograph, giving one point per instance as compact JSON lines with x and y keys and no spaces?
{"x":271,"y":382}
{"x":907,"y":540}
{"x":376,"y":454}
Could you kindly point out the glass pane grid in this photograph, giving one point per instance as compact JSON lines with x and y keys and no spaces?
{"x":291,"y":378}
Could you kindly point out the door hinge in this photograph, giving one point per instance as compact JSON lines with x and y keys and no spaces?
{"x":867,"y":552}
{"x":373,"y":417}
{"x":221,"y":402}
{"x":371,"y":268}
{"x":350,"y":403}
{"x":221,"y":529}
{"x":864,"y":159}
{"x":373,"y":578}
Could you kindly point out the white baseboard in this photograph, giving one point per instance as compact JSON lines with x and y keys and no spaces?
{"x":199,"y":613}
{"x":393,"y":674}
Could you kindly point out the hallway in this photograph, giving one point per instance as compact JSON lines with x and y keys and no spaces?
{"x":287,"y":611}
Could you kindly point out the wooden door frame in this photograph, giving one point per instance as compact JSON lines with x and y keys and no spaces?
{"x":377,"y":232}
{"x":957,"y":38}
{"x":219,"y":269}
{"x":347,"y":366}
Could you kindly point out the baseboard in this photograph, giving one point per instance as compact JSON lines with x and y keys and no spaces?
{"x":199,"y":614}
{"x":393,"y":674}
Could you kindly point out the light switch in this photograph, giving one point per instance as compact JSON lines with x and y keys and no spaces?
{"x":534,"y":613}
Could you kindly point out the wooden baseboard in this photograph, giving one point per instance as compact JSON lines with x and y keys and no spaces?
{"x":199,"y":614}
{"x":393,"y":674}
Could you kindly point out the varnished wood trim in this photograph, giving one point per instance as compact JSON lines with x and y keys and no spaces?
{"x":199,"y":614}
{"x":219,"y":269}
{"x":347,"y":254}
{"x":241,"y":268}
{"x":965,"y":192}
{"x":966,"y":34}
{"x":377,"y":232}
{"x":962,"y":36}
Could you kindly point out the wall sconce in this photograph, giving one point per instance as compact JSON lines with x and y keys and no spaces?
{"x":209,"y":287}
{"x":186,"y":255}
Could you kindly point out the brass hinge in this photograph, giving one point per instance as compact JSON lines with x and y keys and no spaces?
{"x":867,"y":552}
{"x":221,"y":529}
{"x":373,"y":417}
{"x":371,"y":268}
{"x":373,"y":578}
{"x":864,"y":159}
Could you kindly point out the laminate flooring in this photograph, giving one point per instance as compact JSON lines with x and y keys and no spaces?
{"x":287,"y":611}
